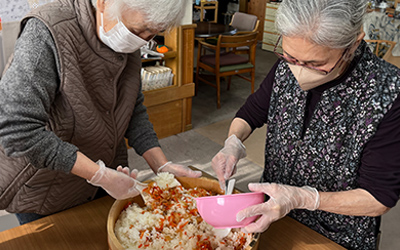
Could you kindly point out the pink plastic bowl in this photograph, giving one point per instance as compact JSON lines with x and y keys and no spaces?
{"x":220,"y":211}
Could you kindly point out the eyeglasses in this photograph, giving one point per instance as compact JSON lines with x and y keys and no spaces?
{"x":296,"y":62}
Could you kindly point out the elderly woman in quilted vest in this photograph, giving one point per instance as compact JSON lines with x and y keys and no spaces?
{"x":71,"y":96}
{"x":332,"y":111}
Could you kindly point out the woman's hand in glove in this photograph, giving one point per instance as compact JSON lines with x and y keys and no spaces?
{"x":128,"y":172}
{"x":178,"y":170}
{"x":283,"y":198}
{"x":119,"y":184}
{"x":224,"y":162}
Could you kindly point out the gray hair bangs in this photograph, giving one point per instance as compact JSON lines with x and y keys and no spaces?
{"x":160,"y":14}
{"x":335,"y":24}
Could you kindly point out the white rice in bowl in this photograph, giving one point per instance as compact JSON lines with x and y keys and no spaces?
{"x":170,"y":220}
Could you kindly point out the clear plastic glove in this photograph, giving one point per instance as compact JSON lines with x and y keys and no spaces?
{"x":117,"y":183}
{"x":224,"y":162}
{"x":128,"y":172}
{"x":283,"y":198}
{"x":178,"y":170}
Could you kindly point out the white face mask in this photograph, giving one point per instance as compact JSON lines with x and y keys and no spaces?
{"x":120,"y":39}
{"x":309,"y":79}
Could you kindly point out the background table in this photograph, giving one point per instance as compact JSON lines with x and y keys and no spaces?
{"x":209,"y":29}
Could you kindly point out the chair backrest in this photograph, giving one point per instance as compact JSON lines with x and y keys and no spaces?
{"x":232,"y":43}
{"x":249,"y":39}
{"x":244,"y":22}
{"x":381,"y":48}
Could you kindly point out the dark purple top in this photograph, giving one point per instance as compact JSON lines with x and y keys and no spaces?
{"x":379,"y":172}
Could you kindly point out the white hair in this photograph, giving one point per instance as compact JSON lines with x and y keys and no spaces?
{"x":331,"y":23}
{"x":160,"y":14}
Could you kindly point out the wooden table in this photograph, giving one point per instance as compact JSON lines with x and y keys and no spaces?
{"x":84,"y":227}
{"x":208,"y":29}
{"x":395,"y":60}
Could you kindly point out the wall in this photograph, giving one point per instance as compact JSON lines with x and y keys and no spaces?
{"x":11,"y":12}
{"x":187,"y":18}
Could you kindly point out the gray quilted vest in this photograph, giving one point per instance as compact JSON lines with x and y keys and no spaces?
{"x":93,"y":107}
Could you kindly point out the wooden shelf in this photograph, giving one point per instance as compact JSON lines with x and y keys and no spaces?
{"x":170,"y":108}
{"x":168,"y":94}
{"x":167,"y":55}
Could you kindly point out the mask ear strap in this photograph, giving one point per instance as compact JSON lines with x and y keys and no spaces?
{"x":101,"y":18}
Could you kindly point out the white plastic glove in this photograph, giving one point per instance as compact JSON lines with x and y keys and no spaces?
{"x":117,"y":183}
{"x":178,"y":170}
{"x":128,"y":172}
{"x":283,"y":198}
{"x":224,"y":162}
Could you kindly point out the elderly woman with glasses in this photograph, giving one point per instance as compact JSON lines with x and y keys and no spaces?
{"x":332,"y":111}
{"x":71,"y":96}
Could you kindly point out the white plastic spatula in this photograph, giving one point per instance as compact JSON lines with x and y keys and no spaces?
{"x":140,"y":186}
{"x":223,"y":232}
{"x":230,"y":186}
{"x":163,"y":180}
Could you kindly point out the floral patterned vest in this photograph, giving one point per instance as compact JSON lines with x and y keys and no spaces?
{"x":328,"y":155}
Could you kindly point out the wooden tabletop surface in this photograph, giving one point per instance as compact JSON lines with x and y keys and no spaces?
{"x":85,"y":227}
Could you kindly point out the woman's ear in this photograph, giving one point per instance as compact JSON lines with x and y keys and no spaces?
{"x":101,"y":4}
{"x":357,"y":43}
{"x":360,"y":37}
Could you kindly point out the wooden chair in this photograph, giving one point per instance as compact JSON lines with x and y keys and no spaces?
{"x":208,"y":5}
{"x":381,"y":48}
{"x":244,"y":23}
{"x":224,"y":62}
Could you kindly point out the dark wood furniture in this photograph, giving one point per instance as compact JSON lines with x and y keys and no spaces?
{"x":225,"y":62}
{"x":209,"y":29}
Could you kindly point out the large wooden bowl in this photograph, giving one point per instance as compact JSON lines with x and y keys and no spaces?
{"x":118,"y":206}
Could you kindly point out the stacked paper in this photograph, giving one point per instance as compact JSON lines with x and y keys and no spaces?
{"x":155,"y":77}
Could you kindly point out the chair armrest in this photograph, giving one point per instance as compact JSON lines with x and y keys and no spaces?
{"x":243,"y":32}
{"x":208,"y":45}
